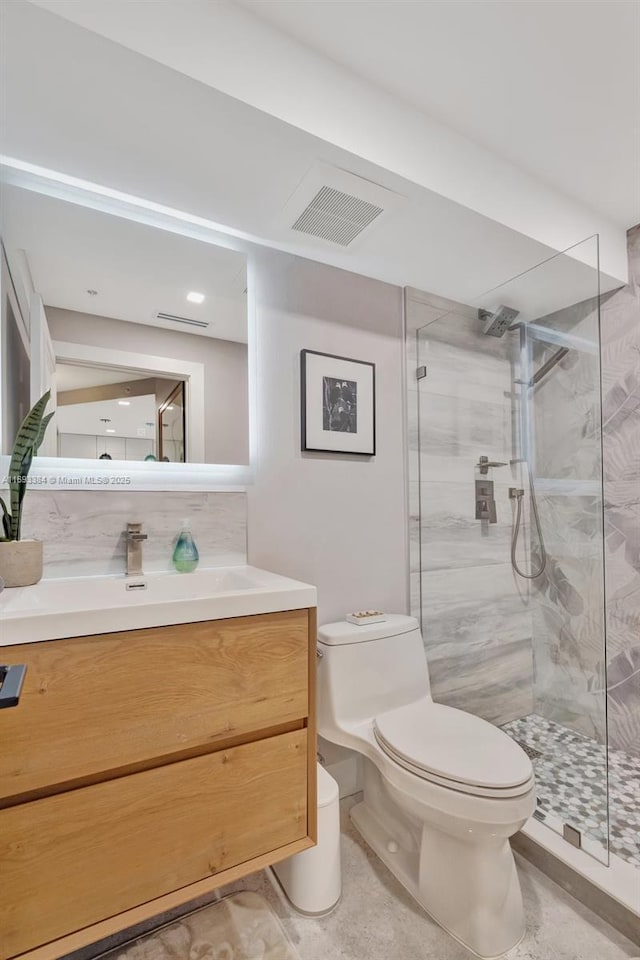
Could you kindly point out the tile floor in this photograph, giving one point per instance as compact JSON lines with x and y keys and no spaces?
{"x":571,"y":776}
{"x":376,"y":918}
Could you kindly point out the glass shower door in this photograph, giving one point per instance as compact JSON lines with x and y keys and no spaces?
{"x":560,"y":424}
{"x":512,"y":582}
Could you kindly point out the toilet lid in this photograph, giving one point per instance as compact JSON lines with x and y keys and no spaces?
{"x":454,"y":747}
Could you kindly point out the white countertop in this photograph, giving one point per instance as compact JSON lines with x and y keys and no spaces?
{"x":53,"y":609}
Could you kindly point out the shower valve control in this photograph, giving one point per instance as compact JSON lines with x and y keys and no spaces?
{"x":484,"y":463}
{"x":485,"y":501}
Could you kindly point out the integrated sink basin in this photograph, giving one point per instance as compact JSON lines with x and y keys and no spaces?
{"x":82,"y":606}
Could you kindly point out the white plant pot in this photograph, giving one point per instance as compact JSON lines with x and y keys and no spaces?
{"x":20,"y":562}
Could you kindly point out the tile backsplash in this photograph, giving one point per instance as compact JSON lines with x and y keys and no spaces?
{"x":83,"y":531}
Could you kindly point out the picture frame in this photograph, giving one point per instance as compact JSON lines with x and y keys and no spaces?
{"x":338,"y":404}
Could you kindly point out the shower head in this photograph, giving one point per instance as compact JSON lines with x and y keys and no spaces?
{"x":497,"y":323}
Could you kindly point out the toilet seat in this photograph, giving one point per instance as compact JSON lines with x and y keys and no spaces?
{"x":454,"y":749}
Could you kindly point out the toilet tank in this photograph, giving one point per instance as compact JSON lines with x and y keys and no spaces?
{"x":365,"y":670}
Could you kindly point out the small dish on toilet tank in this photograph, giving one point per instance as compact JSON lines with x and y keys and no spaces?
{"x":366,"y":616}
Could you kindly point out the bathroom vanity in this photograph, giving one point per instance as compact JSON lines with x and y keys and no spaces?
{"x":163,"y":745}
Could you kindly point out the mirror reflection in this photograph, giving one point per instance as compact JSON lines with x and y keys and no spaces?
{"x":139,"y":333}
{"x":118,"y":415}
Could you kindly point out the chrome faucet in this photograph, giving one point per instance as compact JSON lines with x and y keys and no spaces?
{"x":135,"y":538}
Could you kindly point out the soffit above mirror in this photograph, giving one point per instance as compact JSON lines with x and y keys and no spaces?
{"x":149,"y":130}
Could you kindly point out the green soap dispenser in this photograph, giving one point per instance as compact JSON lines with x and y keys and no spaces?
{"x":185,"y":555}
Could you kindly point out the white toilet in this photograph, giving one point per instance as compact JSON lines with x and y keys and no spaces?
{"x":443,"y":789}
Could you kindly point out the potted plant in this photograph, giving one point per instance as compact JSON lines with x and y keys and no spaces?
{"x":21,"y":560}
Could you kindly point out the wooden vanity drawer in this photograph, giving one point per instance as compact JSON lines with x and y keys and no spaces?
{"x":70,"y":860}
{"x":92,"y":706}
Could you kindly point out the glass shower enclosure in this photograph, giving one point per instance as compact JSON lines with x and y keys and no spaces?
{"x":511,"y":586}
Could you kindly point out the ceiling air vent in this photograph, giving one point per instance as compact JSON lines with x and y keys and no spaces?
{"x":176,"y":319}
{"x":336,"y":207}
{"x":336,"y":216}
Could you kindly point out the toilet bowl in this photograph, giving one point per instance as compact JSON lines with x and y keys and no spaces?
{"x":443,"y":789}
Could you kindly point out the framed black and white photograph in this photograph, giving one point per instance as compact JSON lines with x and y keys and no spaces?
{"x":338,"y":398}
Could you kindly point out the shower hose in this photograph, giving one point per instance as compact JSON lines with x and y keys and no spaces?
{"x":516,"y":532}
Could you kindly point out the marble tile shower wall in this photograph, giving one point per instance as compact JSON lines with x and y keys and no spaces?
{"x":475,"y":616}
{"x":568,"y":599}
{"x":568,"y":612}
{"x":621,"y":417}
{"x":83,"y":530}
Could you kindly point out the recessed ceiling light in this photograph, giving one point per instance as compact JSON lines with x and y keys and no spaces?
{"x":109,"y":430}
{"x":124,"y":403}
{"x":194,"y":297}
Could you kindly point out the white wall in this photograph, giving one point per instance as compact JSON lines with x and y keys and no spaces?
{"x":336,"y":521}
{"x":225,"y":363}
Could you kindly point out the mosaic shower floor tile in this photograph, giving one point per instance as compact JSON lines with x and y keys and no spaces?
{"x":571,"y":779}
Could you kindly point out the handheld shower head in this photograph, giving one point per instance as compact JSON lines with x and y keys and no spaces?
{"x":496,"y":324}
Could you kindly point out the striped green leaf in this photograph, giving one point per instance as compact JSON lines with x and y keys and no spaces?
{"x":28,"y":439}
{"x":41,"y":432}
{"x":6,"y":521}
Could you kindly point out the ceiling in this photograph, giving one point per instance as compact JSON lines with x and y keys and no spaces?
{"x":137,"y":420}
{"x":136,"y":270}
{"x":139,"y":126}
{"x":552,"y":87}
{"x":72,"y":376}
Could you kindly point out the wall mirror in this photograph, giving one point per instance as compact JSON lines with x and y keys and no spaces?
{"x":139,"y":332}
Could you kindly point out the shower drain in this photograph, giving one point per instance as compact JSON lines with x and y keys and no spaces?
{"x":531,"y":752}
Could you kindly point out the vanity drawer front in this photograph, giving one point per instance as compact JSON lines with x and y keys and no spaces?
{"x":94,"y":705}
{"x":73,"y":859}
